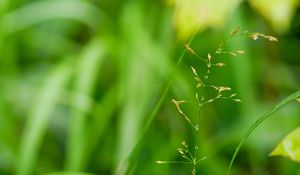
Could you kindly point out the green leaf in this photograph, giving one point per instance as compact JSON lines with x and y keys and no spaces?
{"x":41,"y":11}
{"x":188,"y":14}
{"x":289,"y":147}
{"x":68,"y":173}
{"x":39,"y":118}
{"x":279,"y":13}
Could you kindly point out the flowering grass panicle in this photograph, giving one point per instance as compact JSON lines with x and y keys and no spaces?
{"x":221,"y":92}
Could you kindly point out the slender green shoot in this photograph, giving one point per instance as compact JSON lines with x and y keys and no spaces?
{"x":261,"y":119}
{"x":157,"y":107}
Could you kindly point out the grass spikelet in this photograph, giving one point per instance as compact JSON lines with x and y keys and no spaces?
{"x":237,"y":100}
{"x":234,"y":31}
{"x":190,"y":50}
{"x":194,"y":71}
{"x":219,"y":64}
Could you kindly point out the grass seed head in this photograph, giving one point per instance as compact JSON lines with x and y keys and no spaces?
{"x":209,"y":57}
{"x":232,"y":95}
{"x":194,"y":71}
{"x":254,"y":36}
{"x":187,"y":47}
{"x":160,"y":162}
{"x":224,"y":88}
{"x":272,"y":39}
{"x":233,"y":53}
{"x":234,"y":31}
{"x":220,"y":64}
{"x":240,"y":51}
{"x":237,"y":100}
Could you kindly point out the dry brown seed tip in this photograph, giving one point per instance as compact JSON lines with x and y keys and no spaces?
{"x":234,"y":31}
{"x":187,"y":47}
{"x":255,"y":36}
{"x":177,"y":103}
{"x":272,"y":38}
{"x":220,"y":64}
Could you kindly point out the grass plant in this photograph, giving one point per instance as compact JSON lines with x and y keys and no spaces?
{"x":211,"y":61}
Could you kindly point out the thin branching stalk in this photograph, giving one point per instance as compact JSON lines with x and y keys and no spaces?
{"x":221,"y":93}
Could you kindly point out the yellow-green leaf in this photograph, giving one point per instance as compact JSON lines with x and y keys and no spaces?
{"x":278,"y":12}
{"x":190,"y":14}
{"x":289,"y":146}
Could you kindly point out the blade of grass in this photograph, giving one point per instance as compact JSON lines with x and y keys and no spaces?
{"x":41,"y":11}
{"x":36,"y":124}
{"x":140,"y":54}
{"x":261,"y":119}
{"x":245,"y":80}
{"x":102,"y":116}
{"x":89,"y":63}
{"x":69,"y":173}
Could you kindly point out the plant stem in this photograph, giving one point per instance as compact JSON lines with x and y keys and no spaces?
{"x":261,"y":119}
{"x":156,"y":108}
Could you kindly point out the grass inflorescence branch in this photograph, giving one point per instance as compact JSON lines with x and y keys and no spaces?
{"x":221,"y":92}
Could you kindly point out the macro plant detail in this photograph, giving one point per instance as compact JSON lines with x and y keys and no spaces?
{"x":190,"y":154}
{"x":108,"y":87}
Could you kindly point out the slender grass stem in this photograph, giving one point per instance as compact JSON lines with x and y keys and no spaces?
{"x":261,"y":119}
{"x":157,"y":107}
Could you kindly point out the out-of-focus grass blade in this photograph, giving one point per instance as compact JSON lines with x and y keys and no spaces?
{"x":7,"y":138}
{"x":57,"y":44}
{"x":102,"y":115}
{"x":68,"y":173}
{"x":132,"y":130}
{"x":41,"y":11}
{"x":139,"y":60}
{"x":39,"y":117}
{"x":85,"y":78}
{"x":275,"y":108}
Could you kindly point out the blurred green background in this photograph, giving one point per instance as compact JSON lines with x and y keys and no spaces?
{"x":79,"y":78}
